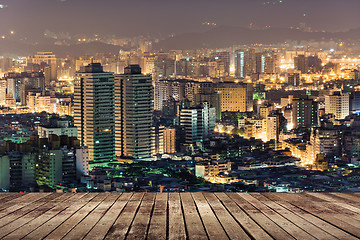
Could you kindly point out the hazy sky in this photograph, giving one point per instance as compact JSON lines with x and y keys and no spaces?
{"x":128,"y":17}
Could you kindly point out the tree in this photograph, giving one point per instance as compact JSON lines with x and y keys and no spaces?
{"x":241,"y":131}
{"x":235,"y":131}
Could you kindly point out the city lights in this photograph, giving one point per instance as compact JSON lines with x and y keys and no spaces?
{"x":152,"y":109}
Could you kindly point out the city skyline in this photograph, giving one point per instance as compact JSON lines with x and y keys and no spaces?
{"x":164,"y":119}
{"x":166,"y":97}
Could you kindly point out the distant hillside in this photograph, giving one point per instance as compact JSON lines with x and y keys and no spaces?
{"x":224,"y":36}
{"x":219,"y":37}
{"x":11,"y":48}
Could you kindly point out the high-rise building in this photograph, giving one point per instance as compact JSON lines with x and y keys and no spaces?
{"x":212,"y":98}
{"x":5,"y":64}
{"x":338,"y":104}
{"x":260,"y":62}
{"x":272,"y":128}
{"x":198,"y":122}
{"x":245,"y":62}
{"x":94,"y":112}
{"x":164,"y":140}
{"x":233,"y":96}
{"x":169,"y":140}
{"x":325,"y":141}
{"x":133,"y":114}
{"x":178,"y":89}
{"x":293,"y":79}
{"x":305,"y":113}
{"x":264,"y":111}
{"x":147,"y":64}
{"x":355,"y":75}
{"x":250,"y":61}
{"x":3,"y":90}
{"x":301,"y":63}
{"x":164,"y":65}
{"x":190,"y":67}
{"x":19,"y":84}
{"x":314,"y":64}
{"x":82,"y":161}
{"x":48,"y":64}
{"x":224,"y":58}
{"x":14,"y":88}
{"x":240,"y":64}
{"x":4,"y":172}
{"x":355,"y":102}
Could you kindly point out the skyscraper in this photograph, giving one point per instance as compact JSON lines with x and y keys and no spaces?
{"x":272,"y":127}
{"x":338,"y":104}
{"x":240,"y":64}
{"x":305,"y":113}
{"x":301,"y":63}
{"x":233,"y":96}
{"x":260,"y":62}
{"x":133,"y":114}
{"x":245,"y":62}
{"x":48,"y":64}
{"x":198,"y":122}
{"x":94,"y":112}
{"x":250,"y":61}
{"x":224,"y":57}
{"x":3,"y":90}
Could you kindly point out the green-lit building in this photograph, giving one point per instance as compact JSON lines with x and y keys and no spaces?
{"x":305,"y":113}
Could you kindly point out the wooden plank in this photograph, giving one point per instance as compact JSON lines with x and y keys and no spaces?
{"x":19,"y":210}
{"x":351,"y":196}
{"x":300,"y":222}
{"x":82,"y":228}
{"x":21,"y":198}
{"x":337,"y":206}
{"x":52,"y":200}
{"x":20,"y":202}
{"x":266,"y":223}
{"x":285,"y":224}
{"x":77,"y":217}
{"x":158,"y":222}
{"x":326,"y":214}
{"x":212,"y":225}
{"x":231,"y":227}
{"x":251,"y":227}
{"x":176,"y":218}
{"x":346,"y":198}
{"x":338,"y":200}
{"x":5,"y":194}
{"x":340,"y":213}
{"x":56,"y":221}
{"x":329,"y":228}
{"x":35,"y":223}
{"x":163,"y":216}
{"x":100,"y":230}
{"x":10,"y":196}
{"x":123,"y":223}
{"x":5,"y":197}
{"x":194,"y":225}
{"x":140,"y":225}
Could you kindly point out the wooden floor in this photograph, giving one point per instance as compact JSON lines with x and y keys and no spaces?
{"x":180,"y":216}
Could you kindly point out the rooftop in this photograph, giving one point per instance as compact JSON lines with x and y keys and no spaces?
{"x":180,"y":216}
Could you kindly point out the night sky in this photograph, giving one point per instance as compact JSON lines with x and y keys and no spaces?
{"x":131,"y":17}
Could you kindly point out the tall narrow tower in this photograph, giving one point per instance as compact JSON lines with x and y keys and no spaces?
{"x":94,"y":112}
{"x":133,"y":114}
